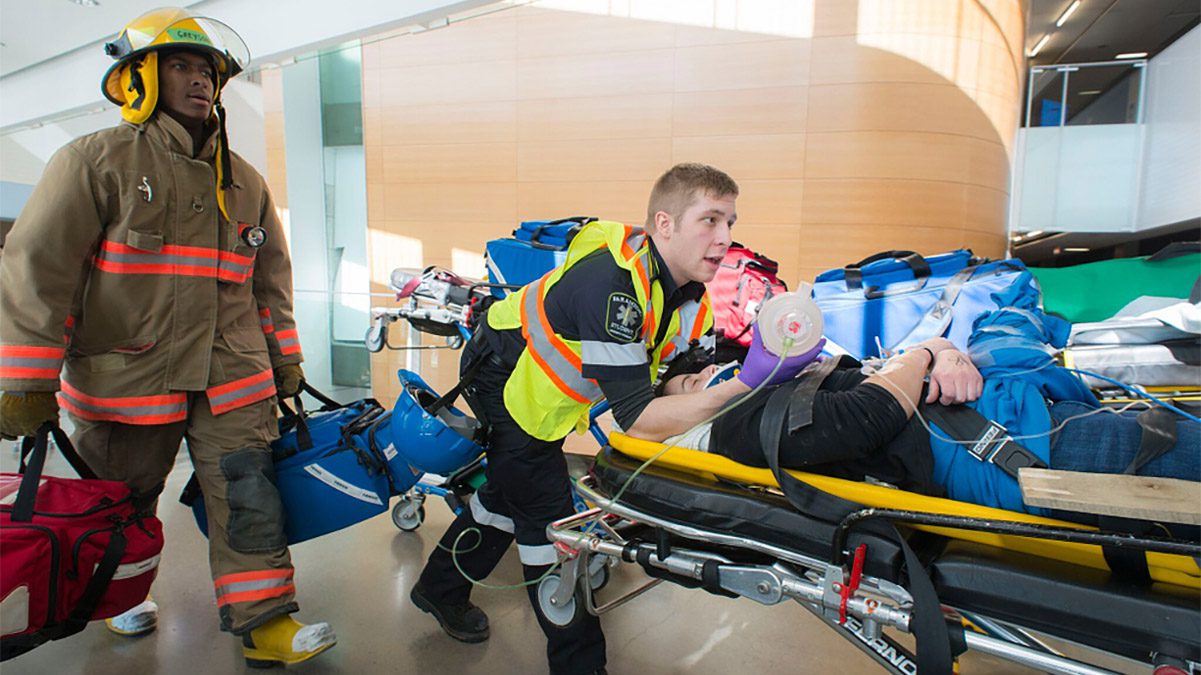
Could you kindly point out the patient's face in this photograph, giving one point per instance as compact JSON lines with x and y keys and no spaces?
{"x":696,"y":381}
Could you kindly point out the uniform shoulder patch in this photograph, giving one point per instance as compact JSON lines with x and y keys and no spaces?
{"x":623,"y":317}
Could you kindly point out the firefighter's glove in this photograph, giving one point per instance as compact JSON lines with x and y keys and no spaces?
{"x":288,"y":380}
{"x":23,"y":413}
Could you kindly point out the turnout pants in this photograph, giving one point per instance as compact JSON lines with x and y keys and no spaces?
{"x":527,"y":489}
{"x":248,"y":553}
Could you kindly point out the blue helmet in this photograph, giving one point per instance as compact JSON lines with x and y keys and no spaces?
{"x":440,"y":443}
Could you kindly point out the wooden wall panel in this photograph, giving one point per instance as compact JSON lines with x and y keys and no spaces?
{"x":852,"y":126}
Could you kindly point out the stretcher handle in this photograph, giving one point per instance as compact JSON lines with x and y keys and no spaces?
{"x":34,"y":449}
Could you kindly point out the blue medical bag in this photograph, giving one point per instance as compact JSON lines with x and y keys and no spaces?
{"x":334,"y":468}
{"x":536,"y":247}
{"x":895,"y":299}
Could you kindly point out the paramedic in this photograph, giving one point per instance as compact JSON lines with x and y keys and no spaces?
{"x":625,"y":300}
{"x":150,"y":262}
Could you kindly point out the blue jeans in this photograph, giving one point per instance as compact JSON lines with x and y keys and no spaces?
{"x":1107,"y":443}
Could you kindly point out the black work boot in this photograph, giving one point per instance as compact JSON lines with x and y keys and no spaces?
{"x":464,"y":621}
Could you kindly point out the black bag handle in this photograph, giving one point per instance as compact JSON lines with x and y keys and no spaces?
{"x":34,"y":449}
{"x":854,"y":275}
{"x":297,"y":418}
{"x":580,"y":221}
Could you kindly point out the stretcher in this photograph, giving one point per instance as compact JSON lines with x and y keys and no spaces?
{"x":1001,"y":579}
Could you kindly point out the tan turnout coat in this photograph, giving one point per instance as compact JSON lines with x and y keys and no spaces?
{"x":122,"y":267}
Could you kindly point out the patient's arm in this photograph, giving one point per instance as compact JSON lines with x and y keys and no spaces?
{"x":953,"y":378}
{"x":670,"y":415}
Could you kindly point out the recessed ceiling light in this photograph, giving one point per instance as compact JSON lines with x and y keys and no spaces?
{"x":1067,"y":13}
{"x":1074,"y":249}
{"x":1132,"y":55}
{"x":1038,"y":47}
{"x":1090,"y":92}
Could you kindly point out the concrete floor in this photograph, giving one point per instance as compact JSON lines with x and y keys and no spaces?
{"x":358,"y":579}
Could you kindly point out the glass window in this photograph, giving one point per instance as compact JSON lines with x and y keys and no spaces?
{"x":1045,"y":107}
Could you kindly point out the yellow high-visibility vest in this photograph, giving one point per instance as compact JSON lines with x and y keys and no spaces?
{"x":547,"y":394}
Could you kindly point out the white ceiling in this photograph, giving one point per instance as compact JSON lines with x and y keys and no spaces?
{"x":36,"y":30}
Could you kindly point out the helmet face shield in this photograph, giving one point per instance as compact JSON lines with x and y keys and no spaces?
{"x":172,"y":28}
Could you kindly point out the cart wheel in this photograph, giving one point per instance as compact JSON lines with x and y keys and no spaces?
{"x":408,"y":514}
{"x":598,"y":572}
{"x":561,"y":615}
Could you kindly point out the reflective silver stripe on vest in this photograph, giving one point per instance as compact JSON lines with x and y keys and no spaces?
{"x":596,"y":353}
{"x":689,"y":314}
{"x":540,"y":342}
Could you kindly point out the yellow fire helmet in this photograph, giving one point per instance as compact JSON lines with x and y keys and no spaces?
{"x":132,"y":82}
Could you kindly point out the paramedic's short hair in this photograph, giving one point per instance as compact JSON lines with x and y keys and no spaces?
{"x":677,"y":189}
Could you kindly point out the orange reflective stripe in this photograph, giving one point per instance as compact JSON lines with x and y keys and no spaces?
{"x":256,"y":575}
{"x":233,"y":395}
{"x":544,"y":346}
{"x":141,"y":410}
{"x":250,"y":596}
{"x":698,"y":325}
{"x":552,"y":337}
{"x":31,"y":362}
{"x":254,"y":585}
{"x":559,"y":346}
{"x":192,"y":261}
{"x":266,"y":322}
{"x":289,"y":342}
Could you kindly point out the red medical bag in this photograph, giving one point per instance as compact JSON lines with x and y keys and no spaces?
{"x":744,"y":281}
{"x":72,"y":550}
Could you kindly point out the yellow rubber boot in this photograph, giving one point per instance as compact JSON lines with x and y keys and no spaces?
{"x":284,"y":640}
{"x":139,"y":620}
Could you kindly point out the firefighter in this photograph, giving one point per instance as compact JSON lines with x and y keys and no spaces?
{"x":626,"y":300}
{"x":150,"y":268}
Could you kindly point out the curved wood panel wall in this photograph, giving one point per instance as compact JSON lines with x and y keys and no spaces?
{"x":851,"y":126}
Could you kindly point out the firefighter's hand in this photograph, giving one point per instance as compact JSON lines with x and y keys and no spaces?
{"x":23,"y":413}
{"x":288,"y":380}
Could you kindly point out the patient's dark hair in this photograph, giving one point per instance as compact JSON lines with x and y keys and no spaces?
{"x":679,"y":188}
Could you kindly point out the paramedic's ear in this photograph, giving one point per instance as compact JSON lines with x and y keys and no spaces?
{"x":664,"y":224}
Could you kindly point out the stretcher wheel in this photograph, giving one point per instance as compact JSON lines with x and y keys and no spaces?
{"x":408,"y":513}
{"x":598,"y":572}
{"x":561,"y":615}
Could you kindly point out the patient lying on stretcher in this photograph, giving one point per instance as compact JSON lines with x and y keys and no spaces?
{"x":863,"y":426}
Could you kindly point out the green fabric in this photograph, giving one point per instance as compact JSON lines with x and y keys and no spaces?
{"x":1096,"y":291}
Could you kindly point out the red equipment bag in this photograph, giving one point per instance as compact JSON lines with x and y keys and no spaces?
{"x":743,"y":283}
{"x":74,"y":550}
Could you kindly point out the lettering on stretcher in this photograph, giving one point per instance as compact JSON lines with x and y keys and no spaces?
{"x":880,"y":645}
{"x":143,"y":410}
{"x":189,"y":261}
{"x":29,"y":362}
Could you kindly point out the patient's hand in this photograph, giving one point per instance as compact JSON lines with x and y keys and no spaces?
{"x":953,"y":379}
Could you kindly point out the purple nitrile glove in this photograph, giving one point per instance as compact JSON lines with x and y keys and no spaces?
{"x":760,"y":362}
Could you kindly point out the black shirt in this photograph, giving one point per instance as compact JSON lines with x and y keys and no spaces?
{"x":858,"y":430}
{"x":595,"y":302}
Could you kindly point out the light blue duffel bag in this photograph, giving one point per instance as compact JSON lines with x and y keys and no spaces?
{"x":894,"y":299}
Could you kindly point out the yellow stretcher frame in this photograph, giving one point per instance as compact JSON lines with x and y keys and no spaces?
{"x":1167,"y":568}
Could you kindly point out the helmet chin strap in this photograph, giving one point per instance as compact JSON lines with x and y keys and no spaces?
{"x":224,"y":172}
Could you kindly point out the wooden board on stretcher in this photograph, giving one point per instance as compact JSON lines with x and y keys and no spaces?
{"x":1167,"y":500}
{"x":1173,"y":569}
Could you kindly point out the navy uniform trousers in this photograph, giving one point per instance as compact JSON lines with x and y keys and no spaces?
{"x":527,"y":488}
